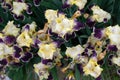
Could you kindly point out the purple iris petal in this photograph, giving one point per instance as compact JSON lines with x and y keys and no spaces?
{"x":36,"y":2}
{"x":69,"y":36}
{"x":105,"y":20}
{"x":20,"y":0}
{"x":90,"y":46}
{"x":17,"y":52}
{"x":65,"y":5}
{"x":78,"y":26}
{"x":90,"y":23}
{"x":101,"y":62}
{"x":9,"y":39}
{"x":98,"y":78}
{"x":1,"y":20}
{"x":52,"y":33}
{"x":20,"y":17}
{"x":50,"y":77}
{"x":9,"y":6}
{"x":118,"y":71}
{"x":3,"y":62}
{"x":59,"y":42}
{"x":27,"y":27}
{"x":80,"y":68}
{"x":112,"y":48}
{"x":15,"y":16}
{"x":36,"y":42}
{"x":1,"y":41}
{"x":29,"y":11}
{"x":46,"y":61}
{"x":94,"y":54}
{"x":98,"y":33}
{"x":27,"y":57}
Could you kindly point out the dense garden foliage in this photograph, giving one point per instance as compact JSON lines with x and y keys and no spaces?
{"x":59,"y":40}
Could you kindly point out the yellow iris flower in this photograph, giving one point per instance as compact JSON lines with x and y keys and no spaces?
{"x":47,"y":51}
{"x":92,"y":68}
{"x":24,"y":39}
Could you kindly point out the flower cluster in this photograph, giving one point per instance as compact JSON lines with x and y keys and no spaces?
{"x":17,"y":43}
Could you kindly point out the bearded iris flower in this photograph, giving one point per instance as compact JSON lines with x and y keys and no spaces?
{"x":5,"y":50}
{"x":113,"y":34}
{"x":47,"y":51}
{"x":92,"y":68}
{"x":24,"y":39}
{"x":11,"y":29}
{"x":19,"y":7}
{"x":41,"y":70}
{"x":73,"y":52}
{"x":79,"y":3}
{"x":60,"y":24}
{"x":99,"y":14}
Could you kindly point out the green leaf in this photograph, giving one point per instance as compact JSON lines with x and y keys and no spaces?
{"x":77,"y":73}
{"x":54,"y":73}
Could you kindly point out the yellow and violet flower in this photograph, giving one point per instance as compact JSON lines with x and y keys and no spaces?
{"x":99,"y":14}
{"x":73,"y":52}
{"x":11,"y":29}
{"x":113,"y":33}
{"x":79,"y":3}
{"x":60,"y":24}
{"x":47,"y":51}
{"x":24,"y":39}
{"x":19,"y":7}
{"x":92,"y":68}
{"x":5,"y":50}
{"x":41,"y":70}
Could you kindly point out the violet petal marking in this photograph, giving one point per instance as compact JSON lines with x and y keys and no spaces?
{"x":27,"y":26}
{"x":9,"y":6}
{"x":112,"y":48}
{"x":21,"y":17}
{"x":50,"y":77}
{"x":3,"y":62}
{"x":69,"y":36}
{"x":110,"y":56}
{"x":17,"y":52}
{"x":36,"y":2}
{"x":65,"y":5}
{"x":46,"y":61}
{"x":1,"y":41}
{"x":78,"y":26}
{"x":90,"y":23}
{"x":94,"y":54}
{"x":79,"y":66}
{"x":27,"y":56}
{"x":105,"y":20}
{"x":29,"y":11}
{"x":98,"y":33}
{"x":20,"y":0}
{"x":98,"y":78}
{"x":118,"y":71}
{"x":59,"y":42}
{"x":52,"y":33}
{"x":101,"y":62}
{"x":9,"y":39}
